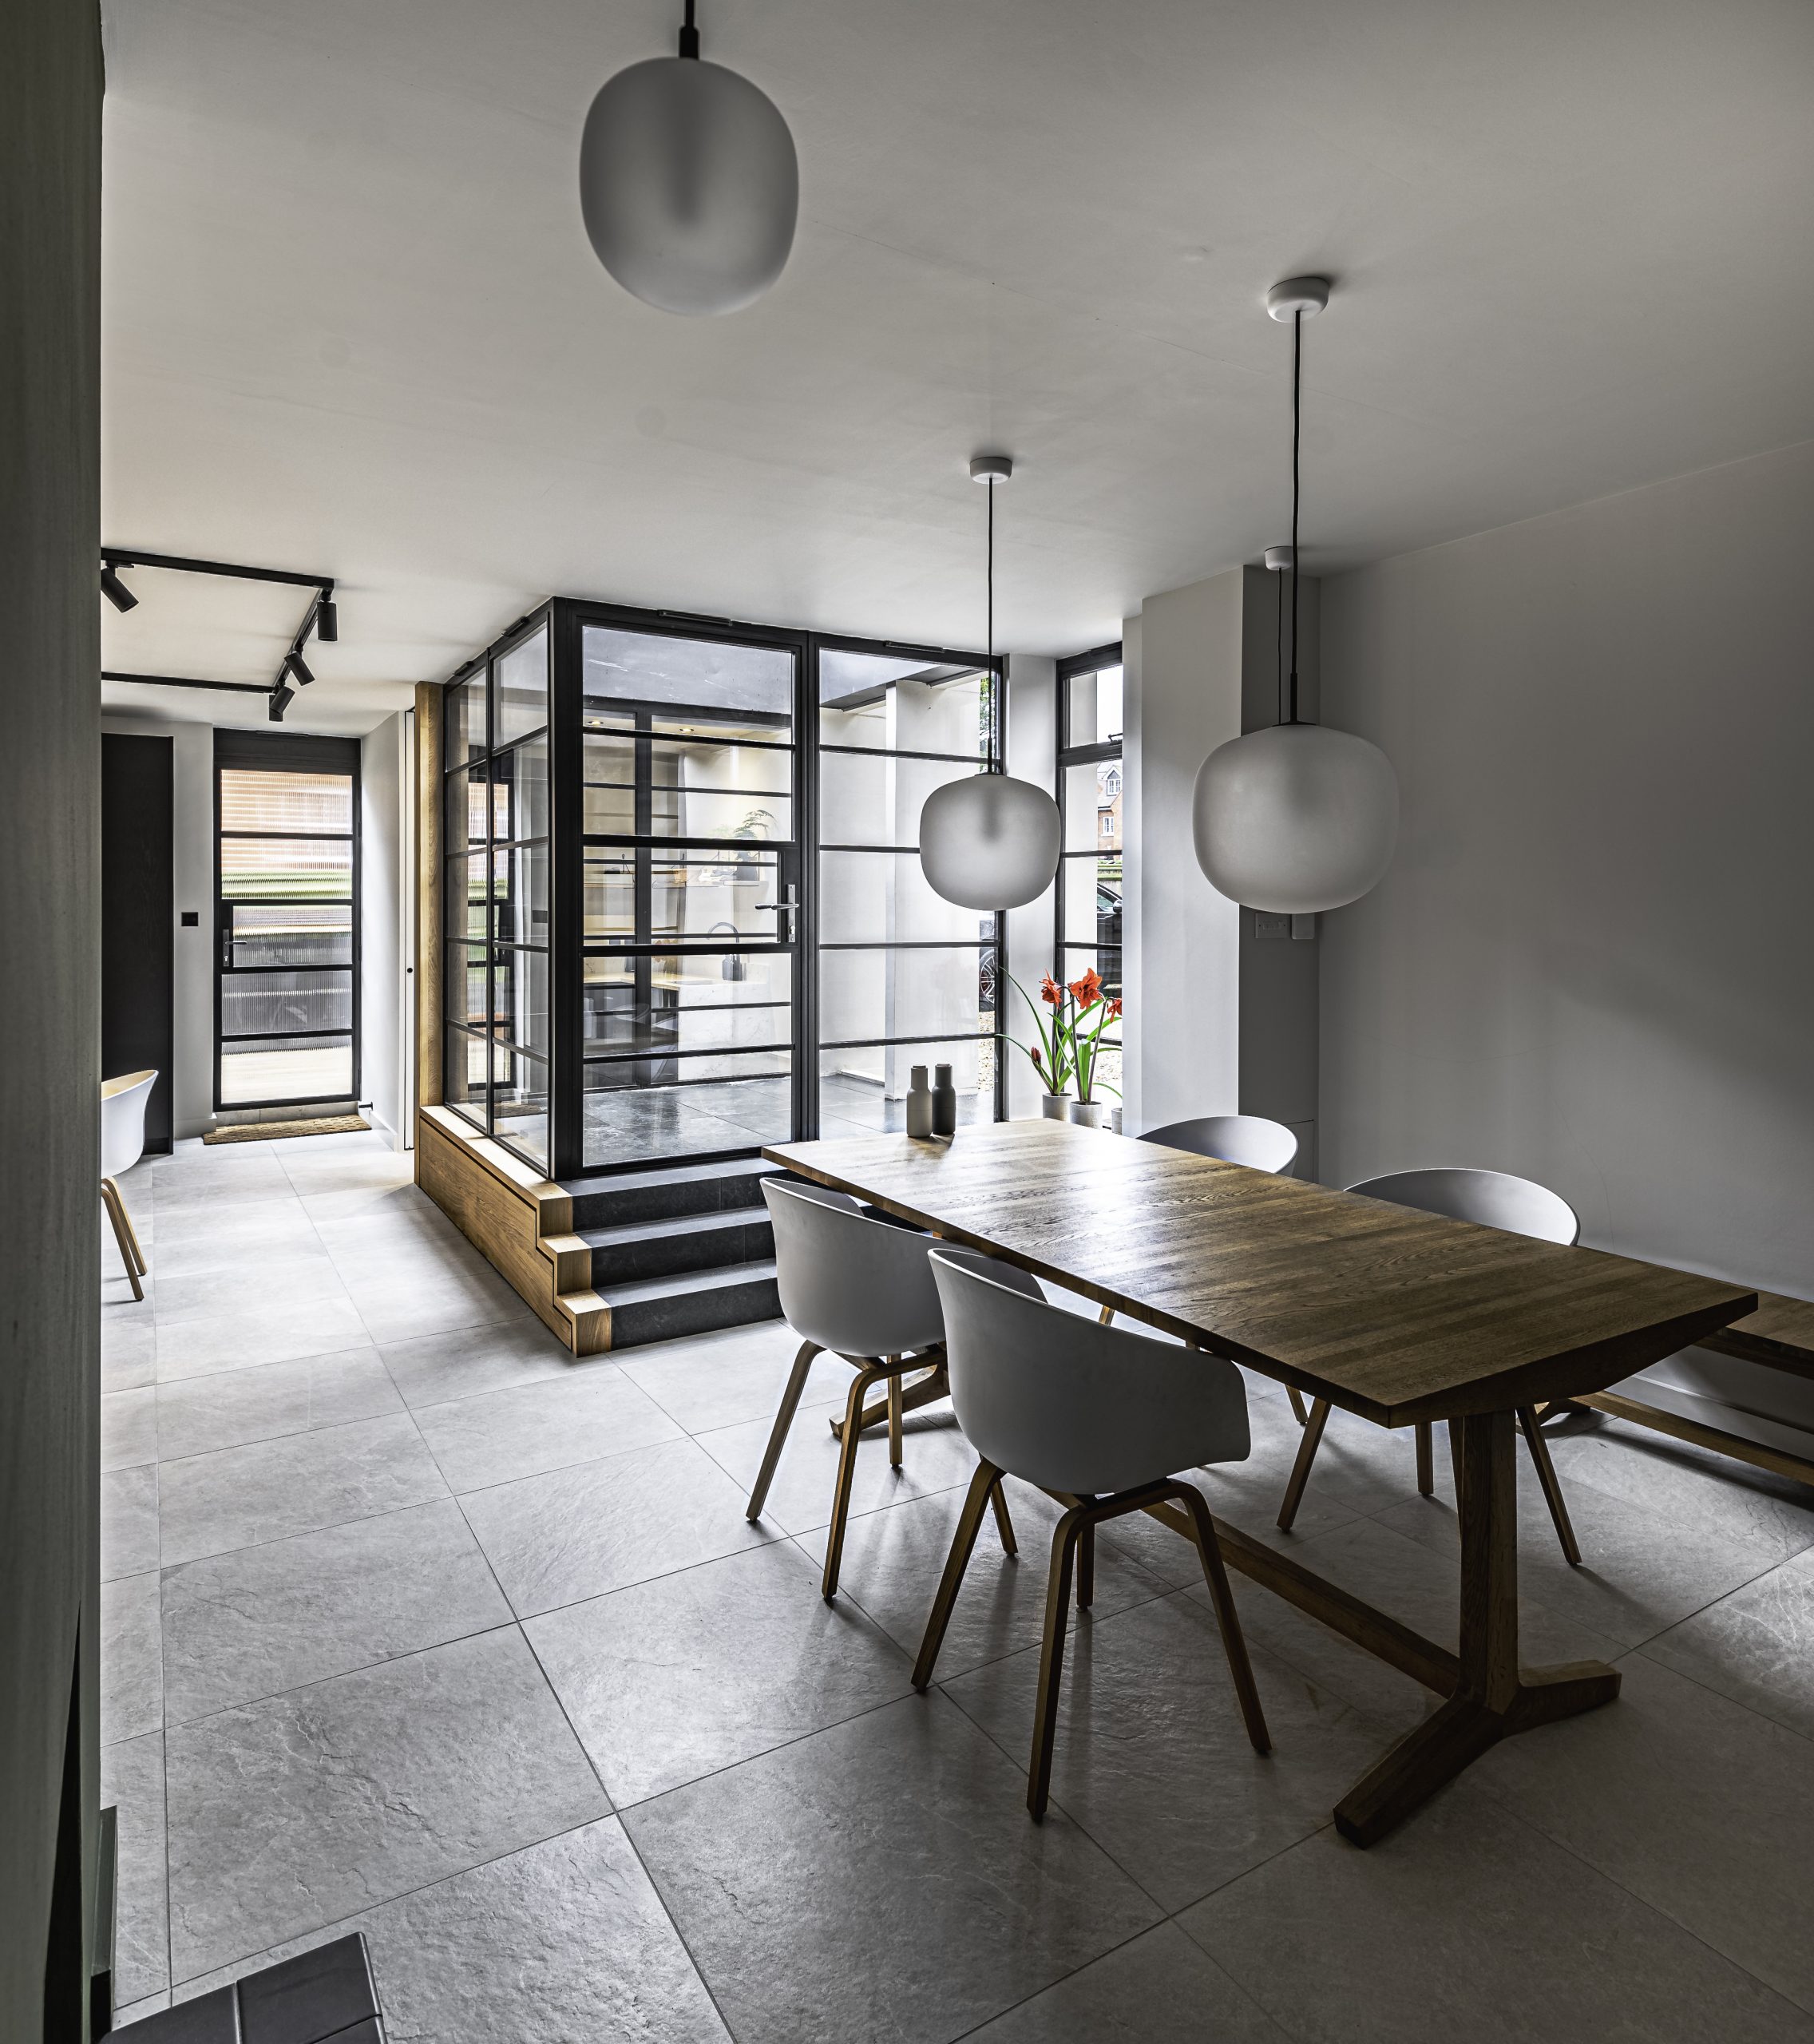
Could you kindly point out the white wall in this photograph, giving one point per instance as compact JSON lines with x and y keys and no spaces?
{"x":1590,"y":961}
{"x":1181,"y":966}
{"x":383,"y":873}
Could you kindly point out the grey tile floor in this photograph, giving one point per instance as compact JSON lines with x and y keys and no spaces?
{"x":413,"y":1625}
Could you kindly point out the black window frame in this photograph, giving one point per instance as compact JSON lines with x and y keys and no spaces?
{"x":1067,"y":755}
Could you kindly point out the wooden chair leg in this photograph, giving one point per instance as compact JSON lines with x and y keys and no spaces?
{"x":867,"y":1375}
{"x":1426,"y":1460}
{"x":985,"y":1483}
{"x":109,"y":1198}
{"x":1105,"y":1316}
{"x":895,"y":1413}
{"x":1552,"y":1486}
{"x":1052,"y":1660}
{"x":126,"y":1218}
{"x":1086,"y":1567}
{"x":1306,"y":1455}
{"x":1234,"y":1640}
{"x":1298,"y":1407}
{"x":784,"y":1419}
{"x":1004,"y":1525}
{"x":926,"y":1390}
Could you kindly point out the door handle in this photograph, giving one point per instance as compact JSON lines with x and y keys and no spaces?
{"x":789,"y":907}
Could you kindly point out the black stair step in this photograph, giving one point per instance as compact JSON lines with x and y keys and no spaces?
{"x":673,"y":1189}
{"x":694,"y":1302}
{"x":679,"y":1243}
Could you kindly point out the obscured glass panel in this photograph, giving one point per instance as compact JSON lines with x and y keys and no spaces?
{"x":519,"y":801}
{"x":1092,"y":806}
{"x":864,"y":1092}
{"x":254,"y":799}
{"x":286,"y":869}
{"x":884,"y":898}
{"x":463,"y":904}
{"x":688,"y":1001}
{"x":465,"y":721}
{"x":672,"y":677}
{"x":875,"y":702}
{"x":268,"y":1004}
{"x":466,"y":820}
{"x":519,"y":895}
{"x":292,"y":934}
{"x":285,"y":1068}
{"x":867,"y":994}
{"x":875,"y":798}
{"x":1094,"y":707}
{"x":522,"y":690}
{"x":468,"y":999}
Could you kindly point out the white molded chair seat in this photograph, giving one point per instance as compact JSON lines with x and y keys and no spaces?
{"x":1490,"y":1199}
{"x":1099,"y":1417}
{"x":123,"y":1102}
{"x":1250,"y":1139}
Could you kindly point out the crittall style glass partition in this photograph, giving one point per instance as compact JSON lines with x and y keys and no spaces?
{"x":685,"y":915}
{"x":1088,"y":894}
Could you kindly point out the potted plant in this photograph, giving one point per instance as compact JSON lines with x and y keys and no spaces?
{"x":1089,"y":1014}
{"x":1050,"y":1056}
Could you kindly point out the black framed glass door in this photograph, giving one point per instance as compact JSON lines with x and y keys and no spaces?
{"x":286,"y":920}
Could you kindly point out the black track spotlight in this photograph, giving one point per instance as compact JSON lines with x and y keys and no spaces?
{"x":299,"y":667}
{"x":115,"y":591}
{"x":327,"y":621}
{"x":281,"y":696}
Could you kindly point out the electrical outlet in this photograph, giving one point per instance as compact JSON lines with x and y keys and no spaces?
{"x":1266,"y":925}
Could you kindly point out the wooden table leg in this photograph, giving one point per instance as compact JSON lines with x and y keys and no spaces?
{"x":1494,"y":1697}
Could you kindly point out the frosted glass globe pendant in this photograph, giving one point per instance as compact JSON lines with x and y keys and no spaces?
{"x":1298,"y":818}
{"x":688,"y":182}
{"x":989,"y":842}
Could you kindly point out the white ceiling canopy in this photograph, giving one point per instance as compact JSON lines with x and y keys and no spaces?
{"x":352,"y":321}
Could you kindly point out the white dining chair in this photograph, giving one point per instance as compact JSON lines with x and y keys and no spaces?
{"x":1491,"y":1199}
{"x":1099,"y":1417}
{"x":859,"y":1286}
{"x":123,"y":1102}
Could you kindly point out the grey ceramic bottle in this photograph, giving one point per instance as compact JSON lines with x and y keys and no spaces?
{"x":944,"y":1101}
{"x":919,"y":1104}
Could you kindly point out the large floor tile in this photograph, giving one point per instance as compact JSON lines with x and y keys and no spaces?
{"x":269,"y":1490}
{"x":1152,"y":1757}
{"x":199,"y":1415}
{"x":400,"y":1306}
{"x":881,"y":1879}
{"x":128,"y":1429}
{"x":131,"y":1782}
{"x":1755,"y":1645}
{"x":224,"y":1235}
{"x":379,"y":1199}
{"x":129,"y":1522}
{"x":721,"y":1379}
{"x":676,"y":1678}
{"x":267,"y":1618}
{"x":1467,"y":1922}
{"x":1694,"y":1802}
{"x":128,"y":1354}
{"x":258,"y":1283}
{"x":577,"y":1533}
{"x":292,"y":1813}
{"x":244,"y":1338}
{"x":132,"y":1686}
{"x":428,"y":1369}
{"x":502,"y":1435}
{"x":1158,"y":1985}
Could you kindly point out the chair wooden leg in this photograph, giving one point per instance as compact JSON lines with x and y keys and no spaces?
{"x":1105,"y":1316}
{"x":986,"y":1484}
{"x":1004,"y":1525}
{"x":926,"y":1390}
{"x":1306,"y":1455}
{"x":1298,"y":1407}
{"x":1552,"y":1486}
{"x":1426,"y":1460}
{"x":867,"y":1375}
{"x":1233,"y":1641}
{"x":1086,"y":1567}
{"x":895,"y":1412}
{"x":110,"y":1200}
{"x":132,"y":1232}
{"x":784,"y":1419}
{"x":1052,"y":1660}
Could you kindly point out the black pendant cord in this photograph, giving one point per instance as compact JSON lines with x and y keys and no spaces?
{"x":990,"y":578}
{"x":1296,"y":417}
{"x":1278,"y":655}
{"x":689,"y":35}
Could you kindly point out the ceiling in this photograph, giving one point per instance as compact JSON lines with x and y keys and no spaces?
{"x":352,"y":325}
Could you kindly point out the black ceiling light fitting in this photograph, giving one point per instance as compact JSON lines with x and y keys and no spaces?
{"x":297,"y":668}
{"x":322,"y":619}
{"x":281,"y":696}
{"x":113,"y":589}
{"x":327,"y":620}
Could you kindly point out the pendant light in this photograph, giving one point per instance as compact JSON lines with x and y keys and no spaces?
{"x":989,"y":842}
{"x":688,"y":182}
{"x":1298,"y":818}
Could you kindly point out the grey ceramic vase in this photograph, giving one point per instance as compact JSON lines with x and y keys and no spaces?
{"x":945,"y":1103}
{"x":919,"y":1104}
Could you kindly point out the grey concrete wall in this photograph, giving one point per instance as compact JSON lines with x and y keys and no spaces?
{"x":1591,"y":962}
{"x":50,"y":85}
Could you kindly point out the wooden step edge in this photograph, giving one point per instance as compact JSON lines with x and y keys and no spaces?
{"x":554,"y":1204}
{"x":571,"y":1255}
{"x":589,"y":1318}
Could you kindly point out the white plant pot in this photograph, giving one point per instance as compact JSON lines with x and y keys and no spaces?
{"x":1090,"y":1114}
{"x":1053,"y":1105}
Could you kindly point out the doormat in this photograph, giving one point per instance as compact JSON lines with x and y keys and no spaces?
{"x":268,"y":1131}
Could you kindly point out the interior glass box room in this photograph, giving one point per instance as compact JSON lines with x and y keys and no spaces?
{"x":682,"y":906}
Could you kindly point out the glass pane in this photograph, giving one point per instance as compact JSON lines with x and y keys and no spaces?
{"x":864,"y":1092}
{"x":691,"y":789}
{"x":876,"y":800}
{"x":466,"y":823}
{"x":1094,"y":707}
{"x":868,"y":700}
{"x":299,"y":934}
{"x":1092,"y":806}
{"x":645,"y":1109}
{"x":883,"y":897}
{"x":865,"y":994}
{"x":465,"y":721}
{"x":269,"y":1003}
{"x":463,"y":898}
{"x":519,"y":997}
{"x":252,"y":799}
{"x":694,"y":896}
{"x":519,"y":795}
{"x":683,"y":681}
{"x":519,"y":897}
{"x":522,"y":690}
{"x":1107,"y":962}
{"x":520,"y":1105}
{"x":271,"y":1069}
{"x":286,"y":869}
{"x":467,"y":1000}
{"x":462,"y":1073}
{"x":688,"y":1001}
{"x":1092,"y":901}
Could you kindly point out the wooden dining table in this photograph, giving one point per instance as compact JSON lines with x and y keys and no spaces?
{"x":1395,"y":1314}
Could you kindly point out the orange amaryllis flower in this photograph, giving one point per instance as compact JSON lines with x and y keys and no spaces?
{"x":1087,"y":991}
{"x":1115,"y":1009}
{"x":1049,"y":992}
